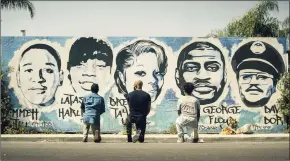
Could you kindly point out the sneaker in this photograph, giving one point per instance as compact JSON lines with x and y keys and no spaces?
{"x":141,"y":139}
{"x":129,"y":139}
{"x":136,"y":136}
{"x":195,"y":140}
{"x":189,"y":140}
{"x":97,"y":137}
{"x":180,"y":139}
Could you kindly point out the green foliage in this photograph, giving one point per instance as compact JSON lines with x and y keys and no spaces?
{"x":6,"y":105}
{"x":172,"y":129}
{"x":48,"y":131}
{"x":19,"y":130}
{"x":284,"y":100}
{"x":6,"y":108}
{"x":18,"y":4}
{"x":256,"y":22}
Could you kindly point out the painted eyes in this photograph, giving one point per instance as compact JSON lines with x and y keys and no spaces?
{"x":48,"y":70}
{"x":140,"y":73}
{"x":258,"y":76}
{"x":28,"y":70}
{"x":84,"y":65}
{"x":101,"y":67}
{"x":143,"y":73}
{"x":212,"y":67}
{"x":245,"y":77}
{"x":196,"y":68}
{"x":190,"y":68}
{"x":262,"y":77}
{"x":158,"y":73}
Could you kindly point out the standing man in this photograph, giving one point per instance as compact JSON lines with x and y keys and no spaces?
{"x":139,"y":107}
{"x":92,"y":107}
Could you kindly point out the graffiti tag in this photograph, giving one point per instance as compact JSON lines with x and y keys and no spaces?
{"x":119,"y":112}
{"x":71,"y":99}
{"x":33,"y":113}
{"x":16,"y":123}
{"x":68,"y":113}
{"x":222,"y":109}
{"x":276,"y":119}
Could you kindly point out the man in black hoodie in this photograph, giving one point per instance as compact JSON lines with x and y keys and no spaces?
{"x":139,"y":106}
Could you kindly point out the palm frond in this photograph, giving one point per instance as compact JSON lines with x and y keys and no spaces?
{"x":286,"y":22}
{"x":18,"y":4}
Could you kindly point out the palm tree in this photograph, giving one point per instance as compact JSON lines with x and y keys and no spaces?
{"x":256,"y":22}
{"x":285,"y":30}
{"x":18,"y":4}
{"x":286,"y":22}
{"x":264,"y":24}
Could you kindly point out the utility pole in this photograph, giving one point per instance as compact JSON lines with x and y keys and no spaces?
{"x":23,"y":32}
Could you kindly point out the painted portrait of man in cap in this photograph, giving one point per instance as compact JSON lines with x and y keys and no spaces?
{"x":257,"y":66}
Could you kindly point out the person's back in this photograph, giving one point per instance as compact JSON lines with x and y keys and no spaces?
{"x":188,"y":106}
{"x":139,"y":103}
{"x":139,"y":107}
{"x":92,"y":107}
{"x":189,"y":112}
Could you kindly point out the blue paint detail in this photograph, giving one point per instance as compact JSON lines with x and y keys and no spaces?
{"x":11,"y":44}
{"x":116,"y":41}
{"x":173,"y":42}
{"x":247,"y":117}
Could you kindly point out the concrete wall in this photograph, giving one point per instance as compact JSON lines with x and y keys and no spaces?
{"x":234,"y":77}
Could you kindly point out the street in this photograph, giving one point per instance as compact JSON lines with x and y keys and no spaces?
{"x":77,"y":151}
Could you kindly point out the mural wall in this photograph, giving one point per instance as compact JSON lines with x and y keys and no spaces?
{"x":234,"y":77}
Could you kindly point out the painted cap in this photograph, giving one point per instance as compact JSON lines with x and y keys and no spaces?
{"x":258,"y":55}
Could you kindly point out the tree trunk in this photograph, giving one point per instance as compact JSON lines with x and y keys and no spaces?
{"x":286,"y":120}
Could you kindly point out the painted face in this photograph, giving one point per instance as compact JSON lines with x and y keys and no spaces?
{"x":255,"y":85}
{"x":145,"y":68}
{"x":89,"y":72}
{"x":205,"y":70}
{"x":39,"y":76}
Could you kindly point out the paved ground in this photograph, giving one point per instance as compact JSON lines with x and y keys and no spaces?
{"x":151,"y":138}
{"x":74,"y":151}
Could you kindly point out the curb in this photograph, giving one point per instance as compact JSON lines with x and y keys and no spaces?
{"x":148,"y":138}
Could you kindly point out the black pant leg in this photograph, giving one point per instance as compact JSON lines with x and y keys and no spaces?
{"x":141,"y":125}
{"x":129,"y":128}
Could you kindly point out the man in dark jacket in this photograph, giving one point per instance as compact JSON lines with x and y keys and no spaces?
{"x":139,"y":106}
{"x":92,"y":107}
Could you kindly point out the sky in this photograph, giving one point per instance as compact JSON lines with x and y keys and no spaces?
{"x":127,"y":18}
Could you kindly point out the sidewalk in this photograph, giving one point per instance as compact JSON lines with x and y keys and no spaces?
{"x":150,"y":138}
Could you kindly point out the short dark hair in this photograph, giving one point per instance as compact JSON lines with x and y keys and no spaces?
{"x":46,"y":47}
{"x":84,"y":48}
{"x":95,"y":88}
{"x":188,"y":88}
